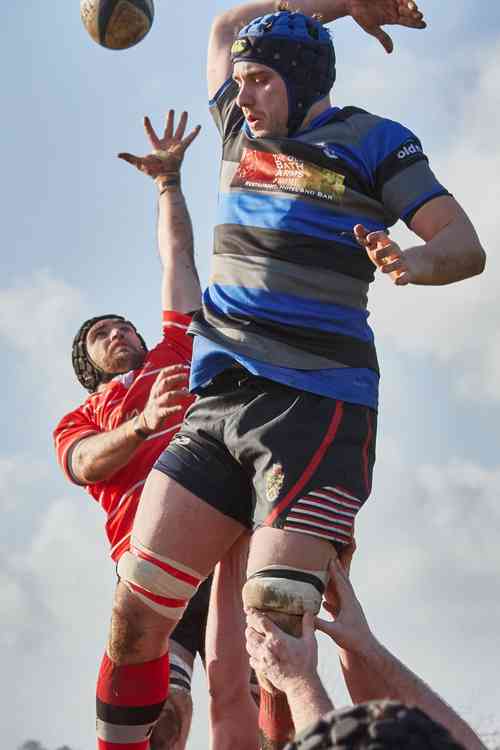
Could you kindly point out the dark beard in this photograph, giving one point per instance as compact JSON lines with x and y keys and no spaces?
{"x":122,"y":363}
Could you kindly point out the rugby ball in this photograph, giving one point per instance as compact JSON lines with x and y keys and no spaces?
{"x":117,"y":24}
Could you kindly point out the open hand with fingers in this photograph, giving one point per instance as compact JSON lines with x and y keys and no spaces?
{"x":371,"y":15}
{"x":168,"y":151}
{"x":387,"y":255}
{"x":169,"y":395}
{"x":349,"y":628}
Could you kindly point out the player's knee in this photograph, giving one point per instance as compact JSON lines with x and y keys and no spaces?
{"x":163,"y":585}
{"x":285,"y":594}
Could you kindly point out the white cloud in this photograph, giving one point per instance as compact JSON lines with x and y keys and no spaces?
{"x":38,"y":319}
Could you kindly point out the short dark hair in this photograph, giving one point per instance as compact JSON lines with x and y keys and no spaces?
{"x":378,"y":725}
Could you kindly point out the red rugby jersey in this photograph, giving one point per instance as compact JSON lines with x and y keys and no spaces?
{"x":120,"y":400}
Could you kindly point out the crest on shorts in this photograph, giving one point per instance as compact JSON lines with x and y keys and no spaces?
{"x":274,"y":482}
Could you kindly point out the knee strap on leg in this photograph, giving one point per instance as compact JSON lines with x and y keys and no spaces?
{"x":280,"y":588}
{"x":162,"y":584}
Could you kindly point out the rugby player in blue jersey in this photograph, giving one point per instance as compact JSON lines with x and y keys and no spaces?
{"x":282,"y":436}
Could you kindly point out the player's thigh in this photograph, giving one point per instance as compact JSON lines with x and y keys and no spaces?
{"x":272,"y":546}
{"x":178,"y":525}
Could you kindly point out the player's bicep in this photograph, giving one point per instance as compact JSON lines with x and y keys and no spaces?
{"x":219,"y":66}
{"x":436,"y":215}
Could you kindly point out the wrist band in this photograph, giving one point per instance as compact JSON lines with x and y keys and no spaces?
{"x":170,"y":183}
{"x":139,"y":430}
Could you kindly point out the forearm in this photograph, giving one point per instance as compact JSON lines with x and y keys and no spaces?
{"x":363,"y":683}
{"x":98,"y":457}
{"x":235,"y":18}
{"x":308,"y":701}
{"x":181,"y":287}
{"x":453,"y":254}
{"x":397,"y":682}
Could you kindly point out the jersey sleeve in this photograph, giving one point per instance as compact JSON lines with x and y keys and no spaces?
{"x":72,"y":428}
{"x":227,"y":116}
{"x":175,"y":330}
{"x":402,"y":177}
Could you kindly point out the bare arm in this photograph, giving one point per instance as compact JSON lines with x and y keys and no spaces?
{"x":98,"y":457}
{"x":452,"y":251}
{"x":369,"y":14}
{"x":378,"y":674}
{"x":180,"y":285}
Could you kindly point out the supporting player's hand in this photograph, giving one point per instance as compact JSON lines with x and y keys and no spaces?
{"x":349,"y":628}
{"x":168,"y":151}
{"x":282,"y":659}
{"x":371,"y":15}
{"x":386,"y":255}
{"x":169,"y":395}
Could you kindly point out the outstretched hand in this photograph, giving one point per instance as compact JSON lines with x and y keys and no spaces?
{"x":168,"y":151}
{"x":371,"y":15}
{"x":349,"y":628}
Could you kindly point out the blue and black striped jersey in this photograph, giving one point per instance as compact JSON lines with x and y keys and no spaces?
{"x":287,"y":297}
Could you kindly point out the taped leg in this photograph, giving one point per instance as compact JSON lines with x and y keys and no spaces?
{"x":284,"y":593}
{"x":280,"y":584}
{"x":151,"y":597}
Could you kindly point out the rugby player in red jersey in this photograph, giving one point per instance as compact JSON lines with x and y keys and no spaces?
{"x":136,"y":404}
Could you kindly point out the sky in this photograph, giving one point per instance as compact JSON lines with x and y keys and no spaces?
{"x":78,"y":239}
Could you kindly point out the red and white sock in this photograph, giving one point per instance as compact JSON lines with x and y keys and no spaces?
{"x":275,"y":720}
{"x":129,"y":703}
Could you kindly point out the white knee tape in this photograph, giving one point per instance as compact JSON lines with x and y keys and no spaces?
{"x":159,"y":582}
{"x":281,"y":588}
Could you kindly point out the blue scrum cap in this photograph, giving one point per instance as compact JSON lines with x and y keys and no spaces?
{"x":297,"y":47}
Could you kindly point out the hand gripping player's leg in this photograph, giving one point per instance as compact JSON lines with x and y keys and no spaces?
{"x":287,"y":575}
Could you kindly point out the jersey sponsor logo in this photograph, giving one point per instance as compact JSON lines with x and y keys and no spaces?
{"x":283,"y":173}
{"x":410,"y":149}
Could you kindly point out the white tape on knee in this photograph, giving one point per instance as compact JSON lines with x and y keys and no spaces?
{"x":281,"y":588}
{"x":164,"y":585}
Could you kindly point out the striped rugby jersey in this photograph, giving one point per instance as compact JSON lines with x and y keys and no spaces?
{"x":120,"y":400}
{"x":287,"y":297}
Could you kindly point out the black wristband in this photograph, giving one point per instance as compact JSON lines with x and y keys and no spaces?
{"x":170,"y":184}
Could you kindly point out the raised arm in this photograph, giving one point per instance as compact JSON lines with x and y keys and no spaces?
{"x":369,"y":14}
{"x":180,"y":286}
{"x":452,"y":251}
{"x":372,"y":671}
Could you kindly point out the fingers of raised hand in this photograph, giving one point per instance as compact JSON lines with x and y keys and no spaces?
{"x":410,"y":14}
{"x":191,"y":137}
{"x":131,"y":159}
{"x":151,"y":134}
{"x":383,"y":37}
{"x":181,"y":127}
{"x":169,"y":125}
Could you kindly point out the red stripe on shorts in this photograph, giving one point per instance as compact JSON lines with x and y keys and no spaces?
{"x":312,"y":466}
{"x":174,"y":603}
{"x":366,"y":447}
{"x":166,"y":567}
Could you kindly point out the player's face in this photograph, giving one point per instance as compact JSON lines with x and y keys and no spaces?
{"x":114,"y":346}
{"x":263,"y":98}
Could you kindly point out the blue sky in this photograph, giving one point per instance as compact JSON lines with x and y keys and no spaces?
{"x":78,"y":231}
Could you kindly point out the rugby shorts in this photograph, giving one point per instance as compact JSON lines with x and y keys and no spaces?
{"x":267,"y":454}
